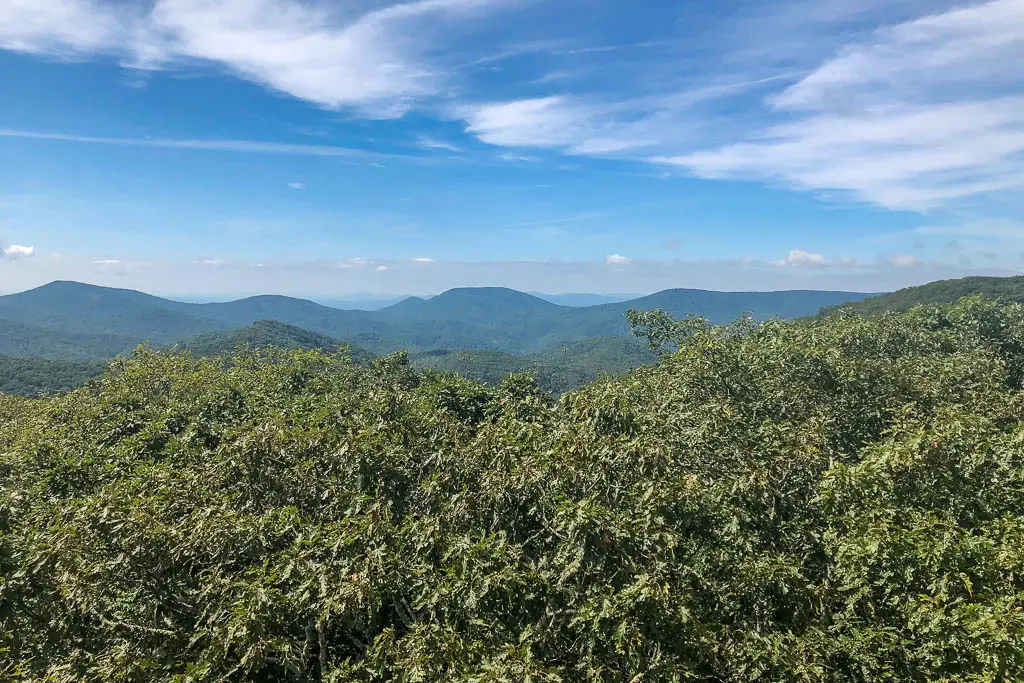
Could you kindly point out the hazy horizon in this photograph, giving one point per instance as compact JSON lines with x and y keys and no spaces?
{"x":335,"y":301}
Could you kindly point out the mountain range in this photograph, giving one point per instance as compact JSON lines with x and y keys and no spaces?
{"x":71,"y":320}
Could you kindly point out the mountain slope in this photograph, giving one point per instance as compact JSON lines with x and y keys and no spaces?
{"x":267,"y":333}
{"x":943,"y":291}
{"x":488,"y":306}
{"x":89,"y":309}
{"x":718,"y":307}
{"x":18,"y":339}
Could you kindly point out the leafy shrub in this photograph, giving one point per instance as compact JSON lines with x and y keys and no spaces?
{"x":830,"y":499}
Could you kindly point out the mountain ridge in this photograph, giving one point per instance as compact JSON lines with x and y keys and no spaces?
{"x":485,"y":318}
{"x":939,"y":292}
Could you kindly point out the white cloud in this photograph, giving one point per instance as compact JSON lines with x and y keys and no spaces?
{"x":913,"y":115}
{"x":357,"y":262}
{"x":377,"y":59}
{"x":617,"y":259}
{"x":18,"y":251}
{"x":297,"y":186}
{"x":540,"y":122}
{"x":918,"y":115}
{"x":58,"y":26}
{"x":798,"y":257}
{"x":382,"y":268}
{"x":107,"y":262}
{"x":211,"y":262}
{"x":422,"y":259}
{"x":572,"y":124}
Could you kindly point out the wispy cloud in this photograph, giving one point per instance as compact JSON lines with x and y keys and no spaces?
{"x":297,"y":186}
{"x":427,"y":142}
{"x":572,"y":124}
{"x":18,"y":251}
{"x":524,"y":158}
{"x":920,"y":111}
{"x":998,"y":229}
{"x":617,"y":259}
{"x":917,"y":115}
{"x":798,"y":258}
{"x":903,"y":261}
{"x":580,"y":217}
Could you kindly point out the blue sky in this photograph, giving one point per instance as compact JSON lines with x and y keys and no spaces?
{"x":321,"y":148}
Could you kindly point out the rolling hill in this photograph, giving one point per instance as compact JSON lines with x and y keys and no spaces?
{"x":267,"y":333}
{"x":87,"y":309}
{"x":940,"y":292}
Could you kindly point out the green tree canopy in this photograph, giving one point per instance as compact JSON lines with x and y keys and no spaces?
{"x":838,"y":499}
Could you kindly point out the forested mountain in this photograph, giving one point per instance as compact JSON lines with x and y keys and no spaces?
{"x":497,"y":306}
{"x":30,"y":376}
{"x":482,"y":318}
{"x":942,"y":291}
{"x":18,"y":339}
{"x":73,"y":307}
{"x":41,"y":376}
{"x":839,"y":498}
{"x":267,"y":333}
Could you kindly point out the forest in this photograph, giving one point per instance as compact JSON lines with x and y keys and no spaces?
{"x":833,"y":498}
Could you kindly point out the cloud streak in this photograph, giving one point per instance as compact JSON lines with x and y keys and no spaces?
{"x":239,"y":146}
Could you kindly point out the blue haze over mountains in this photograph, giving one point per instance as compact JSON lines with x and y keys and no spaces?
{"x":71,"y":320}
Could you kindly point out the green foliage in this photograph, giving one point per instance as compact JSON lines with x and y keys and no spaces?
{"x":38,"y":376}
{"x":557,"y":369}
{"x":943,"y":291}
{"x":836,"y":499}
{"x":17,"y":339}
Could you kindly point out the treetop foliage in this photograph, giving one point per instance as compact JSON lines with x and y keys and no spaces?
{"x":942,"y":291}
{"x":834,"y":499}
